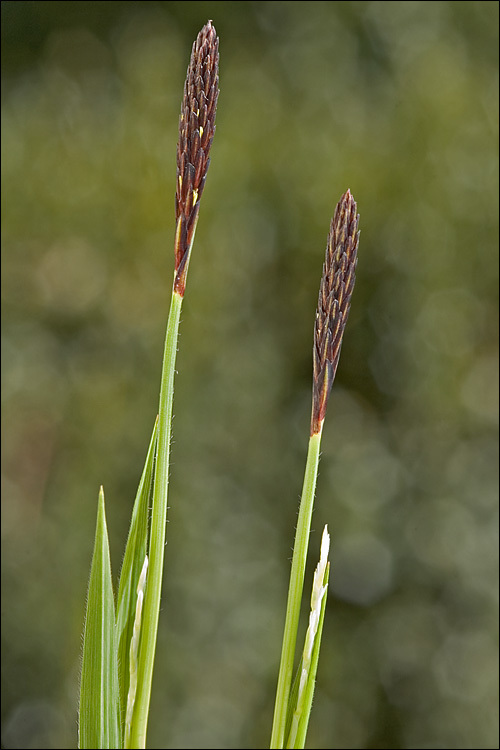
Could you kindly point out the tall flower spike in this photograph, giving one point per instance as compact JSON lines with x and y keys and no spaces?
{"x":334,"y":303}
{"x":196,"y":132}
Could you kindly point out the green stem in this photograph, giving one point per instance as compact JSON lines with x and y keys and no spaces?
{"x":295,"y":591}
{"x":158,"y":528}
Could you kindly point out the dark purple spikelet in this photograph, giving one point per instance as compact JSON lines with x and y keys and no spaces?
{"x":334,"y":303}
{"x":196,"y":132}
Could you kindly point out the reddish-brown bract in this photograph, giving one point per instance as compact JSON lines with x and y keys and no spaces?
{"x":334,"y":303}
{"x":196,"y":132}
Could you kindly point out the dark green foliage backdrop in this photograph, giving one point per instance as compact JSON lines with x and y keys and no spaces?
{"x":397,"y":101}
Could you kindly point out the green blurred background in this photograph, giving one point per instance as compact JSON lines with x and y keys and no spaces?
{"x":397,"y":101}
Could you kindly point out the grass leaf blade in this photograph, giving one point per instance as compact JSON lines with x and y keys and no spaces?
{"x":133,"y":560}
{"x":304,"y":721}
{"x":301,"y":696}
{"x":99,"y":715}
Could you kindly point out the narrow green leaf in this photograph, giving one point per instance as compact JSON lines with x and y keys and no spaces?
{"x":304,"y":721}
{"x":99,"y":715}
{"x":133,"y":560}
{"x":134,"y":654}
{"x":301,"y":696}
{"x":292,"y":701}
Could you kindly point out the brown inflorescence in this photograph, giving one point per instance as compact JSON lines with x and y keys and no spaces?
{"x":196,"y":132}
{"x":334,"y":303}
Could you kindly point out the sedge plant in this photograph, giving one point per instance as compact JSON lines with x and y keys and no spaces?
{"x":120,"y":641}
{"x":293,"y":704}
{"x":120,"y":635}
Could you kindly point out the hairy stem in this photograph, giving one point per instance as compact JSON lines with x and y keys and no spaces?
{"x":157,"y":537}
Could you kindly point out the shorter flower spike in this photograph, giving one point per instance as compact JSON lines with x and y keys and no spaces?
{"x":334,"y":303}
{"x":196,"y":132}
